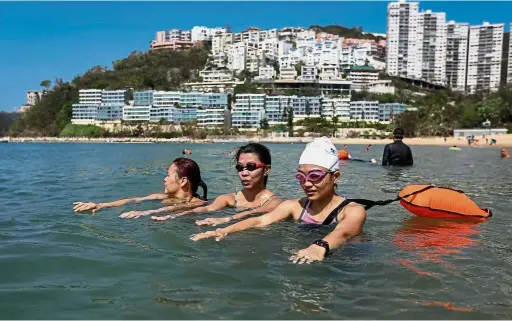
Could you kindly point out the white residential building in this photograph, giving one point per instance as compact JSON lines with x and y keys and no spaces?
{"x":266,"y":73}
{"x":212,"y":111}
{"x":288,"y":73}
{"x":34,"y":96}
{"x":336,"y":106}
{"x":269,"y":34}
{"x":97,"y":104}
{"x":200,"y":33}
{"x":509,"y":69}
{"x":268,"y":48}
{"x":275,"y":108}
{"x":216,"y":75}
{"x":352,"y":56}
{"x":430,"y":64}
{"x":290,"y":33}
{"x":89,"y":96}
{"x":221,"y":41}
{"x":364,"y":110}
{"x":484,"y":57}
{"x":329,"y":72}
{"x":249,"y":111}
{"x":362,"y":76}
{"x":283,"y":48}
{"x":402,"y":38}
{"x":290,"y":60}
{"x":305,"y":39}
{"x":136,"y":113}
{"x":456,"y":55}
{"x":308,"y":73}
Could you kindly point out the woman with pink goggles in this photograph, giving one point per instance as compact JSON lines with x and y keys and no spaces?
{"x":318,"y":174}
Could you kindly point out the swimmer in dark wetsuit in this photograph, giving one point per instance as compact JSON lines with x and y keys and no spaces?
{"x":397,"y":153}
{"x":318,"y":174}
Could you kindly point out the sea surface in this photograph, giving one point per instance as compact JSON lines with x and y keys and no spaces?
{"x":55,"y":264}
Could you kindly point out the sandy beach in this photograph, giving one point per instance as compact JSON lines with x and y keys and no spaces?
{"x":502,"y":140}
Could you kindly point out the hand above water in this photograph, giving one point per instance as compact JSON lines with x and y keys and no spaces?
{"x":81,"y":207}
{"x":308,"y":255}
{"x":219,"y":234}
{"x":214,"y":221}
{"x":161,"y":218}
{"x":134,"y":214}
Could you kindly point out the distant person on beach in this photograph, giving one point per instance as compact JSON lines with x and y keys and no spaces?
{"x":397,"y":153}
{"x":504,"y":153}
{"x":318,"y":174}
{"x":181,"y":184}
{"x":253,"y":164}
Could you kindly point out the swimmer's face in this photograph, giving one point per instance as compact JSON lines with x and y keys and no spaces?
{"x":504,"y":152}
{"x":172,"y":182}
{"x":255,"y":178}
{"x":321,"y":189}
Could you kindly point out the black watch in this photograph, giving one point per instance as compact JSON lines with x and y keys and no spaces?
{"x":323,"y":244}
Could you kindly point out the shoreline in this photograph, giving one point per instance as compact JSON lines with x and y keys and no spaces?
{"x":502,"y":140}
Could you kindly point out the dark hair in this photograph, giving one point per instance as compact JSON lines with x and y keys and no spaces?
{"x":254,"y":148}
{"x":188,"y":168}
{"x":398,"y":133}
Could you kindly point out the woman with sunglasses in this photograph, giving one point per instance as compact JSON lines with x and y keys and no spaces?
{"x":181,"y":184}
{"x":253,"y":166}
{"x":318,"y":175}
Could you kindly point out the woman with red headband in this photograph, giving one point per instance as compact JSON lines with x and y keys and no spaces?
{"x":318,"y":174}
{"x":253,"y":167}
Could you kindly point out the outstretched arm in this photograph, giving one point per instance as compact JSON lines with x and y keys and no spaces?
{"x":172,"y":208}
{"x":280,"y":213}
{"x":82,"y":206}
{"x":219,"y":203}
{"x":268,"y":207}
{"x":350,"y":226}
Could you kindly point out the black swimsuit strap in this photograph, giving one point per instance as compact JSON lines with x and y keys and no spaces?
{"x":330,"y":218}
{"x":304,"y":210}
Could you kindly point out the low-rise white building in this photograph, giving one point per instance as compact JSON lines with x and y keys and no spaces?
{"x":336,"y":106}
{"x":308,"y":73}
{"x":362,"y":76}
{"x":266,"y":73}
{"x":249,"y":111}
{"x":136,"y":113}
{"x":288,"y":73}
{"x":221,"y":75}
{"x":201,"y":33}
{"x":364,"y":110}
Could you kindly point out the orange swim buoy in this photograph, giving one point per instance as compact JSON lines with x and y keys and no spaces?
{"x":343,"y":154}
{"x":440,"y":202}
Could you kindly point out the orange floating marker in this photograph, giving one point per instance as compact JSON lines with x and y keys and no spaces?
{"x":343,"y":154}
{"x":440,"y":202}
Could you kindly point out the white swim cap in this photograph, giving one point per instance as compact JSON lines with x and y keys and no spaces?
{"x":321,"y":152}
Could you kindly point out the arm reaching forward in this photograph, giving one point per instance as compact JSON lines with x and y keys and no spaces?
{"x":268,"y":207}
{"x":82,"y":206}
{"x":280,"y":213}
{"x":350,"y":226}
{"x":219,"y":203}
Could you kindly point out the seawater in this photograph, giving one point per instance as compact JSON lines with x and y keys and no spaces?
{"x":59,"y":265}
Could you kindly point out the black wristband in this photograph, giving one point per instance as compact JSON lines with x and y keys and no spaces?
{"x":323,"y":244}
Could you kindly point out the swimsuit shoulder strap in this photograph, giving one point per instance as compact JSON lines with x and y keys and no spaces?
{"x":334,"y":214}
{"x":304,"y":209}
{"x":268,"y":199}
{"x":236,"y":199}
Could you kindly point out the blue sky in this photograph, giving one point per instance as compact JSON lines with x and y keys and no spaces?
{"x":45,"y":40}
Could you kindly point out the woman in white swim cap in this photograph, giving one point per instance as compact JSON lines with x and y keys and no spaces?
{"x":318,"y":174}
